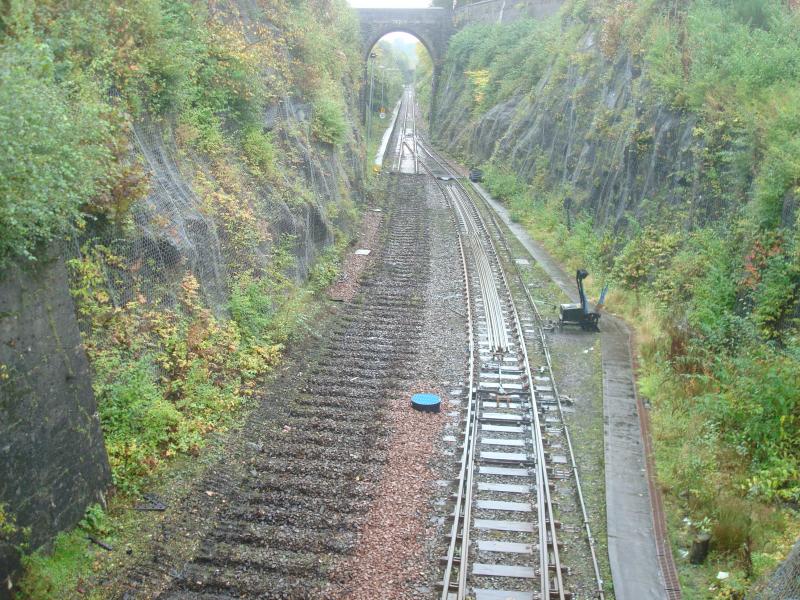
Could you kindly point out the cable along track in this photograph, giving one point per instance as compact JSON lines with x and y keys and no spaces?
{"x":404,"y":151}
{"x":503,"y":541}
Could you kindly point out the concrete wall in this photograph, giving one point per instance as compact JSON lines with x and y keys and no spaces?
{"x":53,"y":462}
{"x":504,"y":11}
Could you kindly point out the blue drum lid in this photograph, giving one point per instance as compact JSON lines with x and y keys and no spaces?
{"x":426,"y":402}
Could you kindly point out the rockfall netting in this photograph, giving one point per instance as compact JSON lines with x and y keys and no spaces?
{"x":173,"y":231}
{"x":784,"y":584}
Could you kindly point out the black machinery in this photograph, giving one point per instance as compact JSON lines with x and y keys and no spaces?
{"x":476,"y":175}
{"x":579,"y":314}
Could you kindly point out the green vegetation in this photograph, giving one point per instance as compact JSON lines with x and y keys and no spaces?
{"x":392,"y":69}
{"x":171,"y":362}
{"x":72,"y":76}
{"x":389,"y":69}
{"x":500,"y":61}
{"x":726,"y":396}
{"x":716,"y":306}
{"x":424,"y":78}
{"x":8,"y":526}
{"x":328,"y":124}
{"x":165,"y":375}
{"x":52,"y":156}
{"x":66,"y":566}
{"x":259,"y":151}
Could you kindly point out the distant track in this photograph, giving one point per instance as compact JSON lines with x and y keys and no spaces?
{"x":405,"y":150}
{"x":504,"y":534}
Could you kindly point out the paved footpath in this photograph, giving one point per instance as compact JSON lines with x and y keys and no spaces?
{"x":632,"y":543}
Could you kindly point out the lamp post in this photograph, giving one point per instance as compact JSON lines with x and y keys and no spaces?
{"x":383,"y":83}
{"x":371,"y":71}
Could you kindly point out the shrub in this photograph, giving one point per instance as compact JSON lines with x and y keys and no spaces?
{"x":758,"y":409}
{"x":328,"y":122}
{"x":251,"y":307}
{"x":8,"y":526}
{"x":53,"y":156}
{"x":208,"y":128}
{"x":777,"y":295}
{"x":643,"y":257}
{"x":137,"y":420}
{"x":259,"y":152}
{"x":503,"y":183}
{"x":732,"y":526}
{"x":326,"y":266}
{"x":501,"y":61}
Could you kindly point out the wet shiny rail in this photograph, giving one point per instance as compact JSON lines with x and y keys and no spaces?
{"x":504,"y":535}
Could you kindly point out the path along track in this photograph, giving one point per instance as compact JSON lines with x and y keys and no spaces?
{"x":505,"y":539}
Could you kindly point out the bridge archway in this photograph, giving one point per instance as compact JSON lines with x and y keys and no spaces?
{"x":369,"y":46}
{"x":433,"y":27}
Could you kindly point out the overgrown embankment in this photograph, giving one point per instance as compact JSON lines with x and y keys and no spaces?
{"x":660,"y":147}
{"x":195,"y":163}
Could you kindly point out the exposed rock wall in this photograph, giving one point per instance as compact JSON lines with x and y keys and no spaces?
{"x":593,"y":131}
{"x":174,"y":231}
{"x":593,"y":126}
{"x":52,"y":459}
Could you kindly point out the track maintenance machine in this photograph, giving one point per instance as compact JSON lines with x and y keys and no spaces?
{"x":580,"y":314}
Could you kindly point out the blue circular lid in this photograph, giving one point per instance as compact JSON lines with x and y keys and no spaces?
{"x":426,"y":401}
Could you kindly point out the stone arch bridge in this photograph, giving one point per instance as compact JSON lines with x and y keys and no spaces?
{"x":433,"y":27}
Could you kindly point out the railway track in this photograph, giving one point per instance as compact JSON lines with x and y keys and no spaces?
{"x":505,"y":540}
{"x":283,"y":530}
{"x":284,"y":524}
{"x":406,"y":159}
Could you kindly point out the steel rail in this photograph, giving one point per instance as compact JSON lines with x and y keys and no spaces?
{"x":546,"y":352}
{"x":469,"y":468}
{"x":547,"y":515}
{"x":466,"y":475}
{"x":402,"y":144}
{"x":414,"y":134}
{"x":543,"y":486}
{"x":472,"y":425}
{"x":402,"y":134}
{"x":466,"y":471}
{"x":498,"y":336}
{"x":548,"y":359}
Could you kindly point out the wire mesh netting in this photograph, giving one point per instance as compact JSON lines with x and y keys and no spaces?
{"x":166,"y":236}
{"x":173,"y":231}
{"x":784,"y":583}
{"x":173,"y":234}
